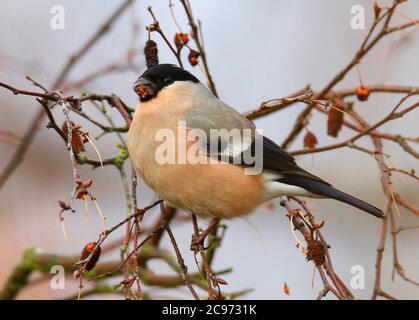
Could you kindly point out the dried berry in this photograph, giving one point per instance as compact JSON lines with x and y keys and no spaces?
{"x":87,"y":251}
{"x":181,"y":39}
{"x":316,"y":252}
{"x":193,"y":57}
{"x":362,"y":93}
{"x":310,"y":140}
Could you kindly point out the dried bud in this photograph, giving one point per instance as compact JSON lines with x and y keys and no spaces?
{"x":81,"y":188}
{"x":75,"y":105}
{"x":153,"y":27}
{"x":219,"y":281}
{"x":76,"y":140}
{"x":63,"y":205}
{"x":286,"y":289}
{"x":318,"y":225}
{"x":377,"y":10}
{"x":126,"y":282}
{"x":316,"y":252}
{"x":180,"y":40}
{"x":362,"y":93}
{"x":193,"y":57}
{"x":87,"y":251}
{"x":85,"y":136}
{"x":151,"y":53}
{"x":335,"y":118}
{"x":76,"y":274}
{"x":87,"y":183}
{"x":310,"y":140}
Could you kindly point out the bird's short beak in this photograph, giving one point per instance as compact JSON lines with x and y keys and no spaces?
{"x":144,"y":88}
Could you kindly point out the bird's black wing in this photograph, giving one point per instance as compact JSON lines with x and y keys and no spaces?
{"x":272,"y":157}
{"x":277,"y":160}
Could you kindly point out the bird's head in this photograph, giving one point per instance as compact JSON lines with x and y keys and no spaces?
{"x":156,"y":78}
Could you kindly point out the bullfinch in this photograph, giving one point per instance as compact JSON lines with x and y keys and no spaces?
{"x":218,"y":177}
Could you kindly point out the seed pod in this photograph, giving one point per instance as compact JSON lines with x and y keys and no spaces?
{"x":335,"y":119}
{"x":87,"y":251}
{"x":310,"y":140}
{"x":362,"y":93}
{"x":193,"y":57}
{"x":151,"y":53}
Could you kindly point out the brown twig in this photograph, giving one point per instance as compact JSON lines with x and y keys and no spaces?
{"x":391,"y":116}
{"x":181,"y":262}
{"x":200,"y":249}
{"x":365,"y":47}
{"x":195,"y":36}
{"x":30,"y":134}
{"x":324,"y":264}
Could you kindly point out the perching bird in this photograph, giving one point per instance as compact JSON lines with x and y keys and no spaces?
{"x":216,"y":182}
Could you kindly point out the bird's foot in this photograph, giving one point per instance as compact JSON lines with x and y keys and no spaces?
{"x":199,"y":240}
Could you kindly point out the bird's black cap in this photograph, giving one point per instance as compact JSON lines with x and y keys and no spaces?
{"x":168,"y":70}
{"x":158,"y":77}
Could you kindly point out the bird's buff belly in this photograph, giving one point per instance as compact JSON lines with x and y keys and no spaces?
{"x":217,"y":190}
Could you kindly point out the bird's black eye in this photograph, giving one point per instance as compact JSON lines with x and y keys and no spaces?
{"x":167,"y":81}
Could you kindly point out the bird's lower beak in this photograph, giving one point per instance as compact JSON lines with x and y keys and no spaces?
{"x":144,"y":88}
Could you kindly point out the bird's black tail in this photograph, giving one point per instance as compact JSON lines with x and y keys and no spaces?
{"x":328,"y":191}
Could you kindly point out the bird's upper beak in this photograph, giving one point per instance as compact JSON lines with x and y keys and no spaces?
{"x":144,"y":88}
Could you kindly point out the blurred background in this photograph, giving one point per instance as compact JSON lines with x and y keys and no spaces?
{"x":257,"y":50}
